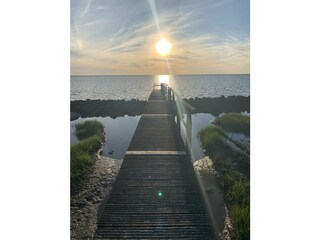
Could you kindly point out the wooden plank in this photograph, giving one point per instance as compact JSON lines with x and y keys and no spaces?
{"x":156,"y":115}
{"x":156,"y":194}
{"x":156,"y":153}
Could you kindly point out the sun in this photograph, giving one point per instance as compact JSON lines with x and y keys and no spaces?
{"x":163,"y":47}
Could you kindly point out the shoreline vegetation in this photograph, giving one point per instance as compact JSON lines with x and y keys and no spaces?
{"x":231,"y":165}
{"x":92,"y":178}
{"x":233,"y":171}
{"x":234,"y":122}
{"x":83,"y":154}
{"x":120,"y":108}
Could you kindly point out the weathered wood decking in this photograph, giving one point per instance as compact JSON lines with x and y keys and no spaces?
{"x":156,"y":194}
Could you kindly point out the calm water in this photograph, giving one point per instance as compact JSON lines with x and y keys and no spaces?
{"x":139,"y":87}
{"x":119,"y":132}
{"x":199,"y":120}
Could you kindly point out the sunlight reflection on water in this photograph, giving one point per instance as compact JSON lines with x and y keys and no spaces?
{"x":163,"y":78}
{"x":139,"y":87}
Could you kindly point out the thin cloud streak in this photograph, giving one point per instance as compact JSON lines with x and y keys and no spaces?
{"x":130,"y":49}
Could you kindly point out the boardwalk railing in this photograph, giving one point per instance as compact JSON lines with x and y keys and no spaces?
{"x":183,"y":112}
{"x":156,"y":194}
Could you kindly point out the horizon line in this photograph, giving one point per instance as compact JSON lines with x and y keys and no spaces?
{"x":92,"y":75}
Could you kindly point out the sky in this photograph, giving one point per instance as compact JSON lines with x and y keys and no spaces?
{"x":118,"y":37}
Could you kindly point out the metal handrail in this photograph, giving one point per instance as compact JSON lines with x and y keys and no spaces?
{"x":180,"y":107}
{"x":173,"y":96}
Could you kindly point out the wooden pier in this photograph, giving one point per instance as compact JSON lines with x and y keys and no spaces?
{"x":156,"y":194}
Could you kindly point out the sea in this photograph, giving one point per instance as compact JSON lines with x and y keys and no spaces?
{"x":119,"y":131}
{"x":139,"y":87}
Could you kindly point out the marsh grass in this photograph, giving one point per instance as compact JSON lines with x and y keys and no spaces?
{"x":235,"y":186}
{"x":236,"y":190}
{"x":240,"y":217}
{"x":238,"y":193}
{"x":80,"y":164}
{"x":89,"y":128}
{"x":213,"y":140}
{"x":90,"y":145}
{"x":234,"y":122}
{"x":92,"y":137}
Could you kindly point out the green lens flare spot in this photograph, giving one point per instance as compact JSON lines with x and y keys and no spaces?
{"x":160,"y":194}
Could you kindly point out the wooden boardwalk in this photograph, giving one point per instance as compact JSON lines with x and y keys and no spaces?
{"x":156,"y":194}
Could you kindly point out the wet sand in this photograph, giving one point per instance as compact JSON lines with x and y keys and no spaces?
{"x":88,"y":203}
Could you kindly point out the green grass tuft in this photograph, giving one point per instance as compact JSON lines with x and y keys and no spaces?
{"x":90,"y":145}
{"x":235,"y":186}
{"x":236,"y":190}
{"x":213,"y":140}
{"x":80,"y":163}
{"x":240,"y":219}
{"x":92,"y":137}
{"x":89,"y":128}
{"x":234,"y":122}
{"x":239,"y":192}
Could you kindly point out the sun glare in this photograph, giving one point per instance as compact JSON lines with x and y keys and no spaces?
{"x":163,"y":47}
{"x":163,"y":79}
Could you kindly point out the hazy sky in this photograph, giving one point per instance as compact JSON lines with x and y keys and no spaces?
{"x":119,"y":36}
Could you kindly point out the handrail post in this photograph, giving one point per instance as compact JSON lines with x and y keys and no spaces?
{"x":178,"y":124}
{"x":189,"y":130}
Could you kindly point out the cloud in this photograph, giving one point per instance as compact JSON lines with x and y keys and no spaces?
{"x":86,"y":8}
{"x":162,"y":60}
{"x":148,"y":65}
{"x":75,"y":53}
{"x":135,"y":65}
{"x":121,"y":36}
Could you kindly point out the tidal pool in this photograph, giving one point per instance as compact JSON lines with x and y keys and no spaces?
{"x":119,"y":132}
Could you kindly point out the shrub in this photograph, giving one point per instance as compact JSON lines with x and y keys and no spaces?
{"x":234,"y":122}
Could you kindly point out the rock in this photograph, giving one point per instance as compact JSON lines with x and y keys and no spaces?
{"x":111,"y":152}
{"x":204,"y":164}
{"x":74,"y":116}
